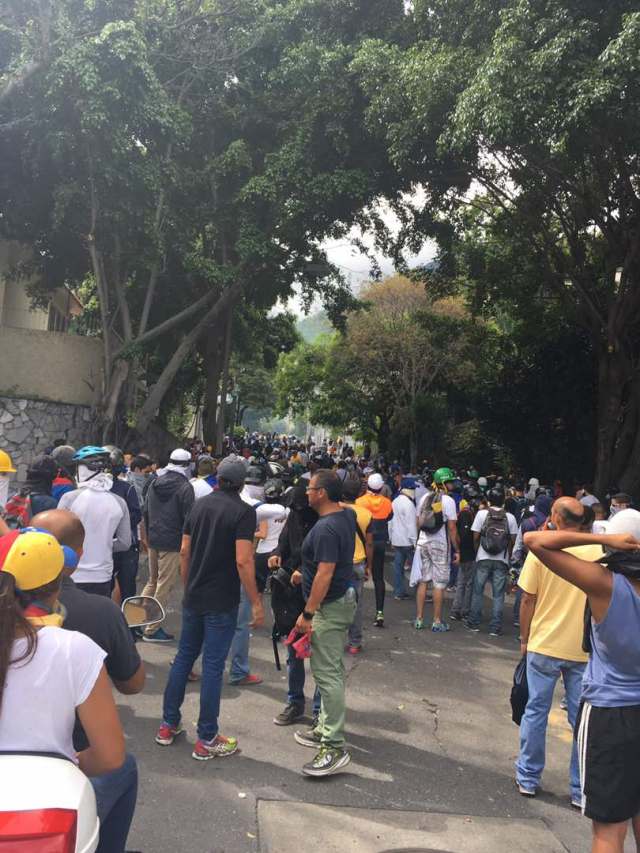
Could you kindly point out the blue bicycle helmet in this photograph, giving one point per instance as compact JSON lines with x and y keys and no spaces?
{"x":95,"y":458}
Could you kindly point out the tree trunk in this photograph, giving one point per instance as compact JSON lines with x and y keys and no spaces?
{"x":152,"y":404}
{"x":224,"y":384}
{"x":213,"y":360}
{"x":413,"y":445}
{"x":383,"y":433}
{"x":614,"y":378}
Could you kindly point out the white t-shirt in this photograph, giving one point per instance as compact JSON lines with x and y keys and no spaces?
{"x":449,"y":513}
{"x":107,"y":528}
{"x":200,"y":487}
{"x":274,"y":529}
{"x":476,"y":527}
{"x":41,"y":695}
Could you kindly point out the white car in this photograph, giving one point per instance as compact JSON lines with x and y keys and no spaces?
{"x":46,"y":803}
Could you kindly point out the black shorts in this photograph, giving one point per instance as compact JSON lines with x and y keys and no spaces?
{"x":609,"y":754}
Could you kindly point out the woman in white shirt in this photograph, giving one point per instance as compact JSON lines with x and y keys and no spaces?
{"x":48,"y":674}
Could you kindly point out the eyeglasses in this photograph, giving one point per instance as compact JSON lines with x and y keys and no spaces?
{"x":315,"y":488}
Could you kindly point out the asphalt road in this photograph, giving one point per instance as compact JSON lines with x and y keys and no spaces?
{"x":430,"y":734}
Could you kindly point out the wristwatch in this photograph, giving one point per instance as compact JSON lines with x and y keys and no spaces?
{"x":307,"y":616}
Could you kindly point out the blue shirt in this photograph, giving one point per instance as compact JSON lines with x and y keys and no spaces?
{"x":330,"y":540}
{"x":612,"y":677}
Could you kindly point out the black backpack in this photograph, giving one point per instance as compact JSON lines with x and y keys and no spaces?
{"x":494,"y":536}
{"x":287,"y":603}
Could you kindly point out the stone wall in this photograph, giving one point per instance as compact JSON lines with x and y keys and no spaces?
{"x":27,"y":427}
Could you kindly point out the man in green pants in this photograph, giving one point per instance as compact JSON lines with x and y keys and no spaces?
{"x":327,"y":584}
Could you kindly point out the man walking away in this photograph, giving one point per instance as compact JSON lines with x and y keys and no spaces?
{"x":362,"y":557}
{"x":464,"y":587}
{"x":551,"y":627}
{"x":402,"y":532}
{"x":495,"y":533}
{"x":201,"y":484}
{"x":216,"y":558}
{"x":380,"y":508}
{"x":104,"y":516}
{"x":169,"y":500}
{"x":327,"y":573}
{"x":437,"y":535}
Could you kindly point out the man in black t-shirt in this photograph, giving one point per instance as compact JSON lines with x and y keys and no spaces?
{"x":327,"y":583}
{"x":215,"y":558}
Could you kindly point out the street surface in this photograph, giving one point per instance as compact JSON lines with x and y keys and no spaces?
{"x":432,"y":747}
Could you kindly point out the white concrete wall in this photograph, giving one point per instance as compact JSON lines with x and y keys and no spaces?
{"x":50,"y":366}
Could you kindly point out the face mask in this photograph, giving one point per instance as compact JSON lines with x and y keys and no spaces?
{"x":4,"y":490}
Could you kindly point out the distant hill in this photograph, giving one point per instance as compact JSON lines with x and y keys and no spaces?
{"x":314,"y":325}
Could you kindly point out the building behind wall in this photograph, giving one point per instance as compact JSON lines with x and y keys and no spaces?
{"x":49,"y":376}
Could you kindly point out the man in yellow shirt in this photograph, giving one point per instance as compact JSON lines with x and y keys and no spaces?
{"x":551,"y":630}
{"x":362,"y":557}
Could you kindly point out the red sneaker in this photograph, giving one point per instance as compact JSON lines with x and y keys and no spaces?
{"x":167,"y":734}
{"x":354,"y":650}
{"x":248,"y":681}
{"x":219,"y":747}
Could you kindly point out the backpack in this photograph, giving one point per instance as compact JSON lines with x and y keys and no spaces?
{"x":17,"y":511}
{"x":494,"y":536}
{"x":287,"y":603}
{"x":519,"y":691}
{"x":430,"y":519}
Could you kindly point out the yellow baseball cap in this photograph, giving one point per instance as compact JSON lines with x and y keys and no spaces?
{"x":34,"y":558}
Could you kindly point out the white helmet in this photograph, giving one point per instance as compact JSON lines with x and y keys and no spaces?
{"x":482,"y":482}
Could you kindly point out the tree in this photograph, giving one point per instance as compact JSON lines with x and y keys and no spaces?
{"x":527,"y":111}
{"x":187,"y":156}
{"x":398,"y":352}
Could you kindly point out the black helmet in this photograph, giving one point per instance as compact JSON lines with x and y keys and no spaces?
{"x":42,"y":469}
{"x":351,"y":488}
{"x":273,"y":489}
{"x":63,"y":456}
{"x":116,"y":457}
{"x":495,"y":496}
{"x":256,"y":475}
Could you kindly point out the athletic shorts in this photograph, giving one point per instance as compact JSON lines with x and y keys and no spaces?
{"x":609,"y":754}
{"x":435,"y":564}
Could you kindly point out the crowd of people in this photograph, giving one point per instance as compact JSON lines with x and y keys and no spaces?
{"x":309,"y":524}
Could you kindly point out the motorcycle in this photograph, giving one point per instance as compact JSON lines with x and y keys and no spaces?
{"x":47,"y":804}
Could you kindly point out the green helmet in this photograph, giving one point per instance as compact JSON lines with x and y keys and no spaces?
{"x":443,"y":475}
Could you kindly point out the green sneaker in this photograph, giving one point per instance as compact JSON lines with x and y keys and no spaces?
{"x":379,"y":620}
{"x":326,"y":762}
{"x":310,"y":738}
{"x":418,"y":624}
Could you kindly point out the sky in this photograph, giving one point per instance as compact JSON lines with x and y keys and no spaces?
{"x":355,"y":266}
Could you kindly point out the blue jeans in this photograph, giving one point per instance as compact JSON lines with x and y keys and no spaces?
{"x":401,"y":553}
{"x":516,"y":606}
{"x":213,"y":632}
{"x":297,"y":676}
{"x":239,"y":653}
{"x":542,"y":674}
{"x":496,"y":572}
{"x":116,"y":795}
